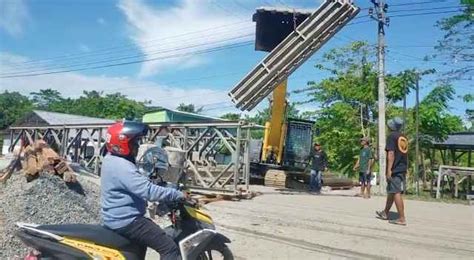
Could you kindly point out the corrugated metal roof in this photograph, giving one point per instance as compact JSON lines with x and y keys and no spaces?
{"x":194,"y":115}
{"x":458,"y":140}
{"x":53,"y":118}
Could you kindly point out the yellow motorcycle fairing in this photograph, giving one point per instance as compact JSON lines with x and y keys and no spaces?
{"x":199,"y":215}
{"x":95,"y":251}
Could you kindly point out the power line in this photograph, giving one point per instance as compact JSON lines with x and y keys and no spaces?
{"x":407,"y":15}
{"x":108,"y":49}
{"x":428,"y":13}
{"x":124,"y":58}
{"x":35,"y":73}
{"x":134,"y":62}
{"x":114,"y":50}
{"x":426,"y":9}
{"x":419,"y":3}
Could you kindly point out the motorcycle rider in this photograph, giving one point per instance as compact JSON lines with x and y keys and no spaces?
{"x":125,"y":192}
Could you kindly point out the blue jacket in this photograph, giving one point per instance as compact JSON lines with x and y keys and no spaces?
{"x":125,"y":192}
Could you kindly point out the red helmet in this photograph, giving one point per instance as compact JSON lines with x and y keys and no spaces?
{"x":122,"y":136}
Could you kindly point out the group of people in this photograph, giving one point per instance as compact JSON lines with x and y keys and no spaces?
{"x":125,"y":191}
{"x":396,"y":169}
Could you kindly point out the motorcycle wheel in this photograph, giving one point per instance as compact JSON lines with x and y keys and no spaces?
{"x":216,"y":251}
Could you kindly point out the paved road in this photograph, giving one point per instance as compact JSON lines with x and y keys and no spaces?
{"x":301,"y":226}
{"x":290,"y":225}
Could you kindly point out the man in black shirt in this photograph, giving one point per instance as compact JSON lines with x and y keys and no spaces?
{"x":319,"y":163}
{"x":397,"y":164}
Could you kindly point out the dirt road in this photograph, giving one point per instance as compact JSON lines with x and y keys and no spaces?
{"x":301,"y":226}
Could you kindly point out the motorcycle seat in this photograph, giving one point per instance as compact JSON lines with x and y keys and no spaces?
{"x":94,"y":233}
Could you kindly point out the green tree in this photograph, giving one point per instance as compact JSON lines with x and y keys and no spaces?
{"x":456,"y":46}
{"x":435,"y":119}
{"x":263,"y":116}
{"x":231,"y":116}
{"x":348,"y":100}
{"x":90,"y":103}
{"x":190,"y":108}
{"x":114,"y":106}
{"x":47,"y":99}
{"x":469,"y":99}
{"x":13,"y":106}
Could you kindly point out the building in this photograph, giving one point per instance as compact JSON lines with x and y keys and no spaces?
{"x":44,"y":118}
{"x":163,"y":115}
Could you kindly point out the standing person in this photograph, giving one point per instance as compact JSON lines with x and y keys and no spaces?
{"x":397,"y":164}
{"x":319,"y":163}
{"x":364,"y":164}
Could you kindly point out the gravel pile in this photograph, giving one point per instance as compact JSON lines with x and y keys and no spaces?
{"x":46,"y":200}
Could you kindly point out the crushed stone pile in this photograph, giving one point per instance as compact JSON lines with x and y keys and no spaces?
{"x":46,"y":200}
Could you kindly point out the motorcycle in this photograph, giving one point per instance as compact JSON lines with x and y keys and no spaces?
{"x":191,"y":228}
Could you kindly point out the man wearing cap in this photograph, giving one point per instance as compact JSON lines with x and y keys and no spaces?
{"x":319,"y":163}
{"x":397,"y":164}
{"x":364,"y":164}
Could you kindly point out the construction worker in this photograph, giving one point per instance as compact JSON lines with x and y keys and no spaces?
{"x":319,"y":163}
{"x":364,"y":164}
{"x":125,"y":192}
{"x":397,"y":164}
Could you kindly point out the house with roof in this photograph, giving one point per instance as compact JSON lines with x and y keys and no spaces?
{"x":38,"y":118}
{"x":167,"y":115}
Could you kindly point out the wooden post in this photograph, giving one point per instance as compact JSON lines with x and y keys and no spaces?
{"x":469,"y":164}
{"x":453,"y":157}
{"x":456,"y":185}
{"x":438,"y":187}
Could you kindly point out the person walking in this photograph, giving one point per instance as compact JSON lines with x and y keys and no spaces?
{"x":364,"y":164}
{"x":319,"y":163}
{"x":397,"y":164}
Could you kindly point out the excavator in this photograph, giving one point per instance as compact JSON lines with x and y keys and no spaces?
{"x":291,"y":37}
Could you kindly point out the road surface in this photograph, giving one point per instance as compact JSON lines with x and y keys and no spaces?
{"x":290,"y":225}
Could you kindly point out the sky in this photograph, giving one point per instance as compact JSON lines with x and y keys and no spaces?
{"x":195,"y":51}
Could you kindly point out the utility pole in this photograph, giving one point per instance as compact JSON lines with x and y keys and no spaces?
{"x":380,"y":9}
{"x":417,"y":147}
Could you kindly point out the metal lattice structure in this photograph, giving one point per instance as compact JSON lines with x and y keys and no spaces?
{"x":292,"y":52}
{"x":202,"y":142}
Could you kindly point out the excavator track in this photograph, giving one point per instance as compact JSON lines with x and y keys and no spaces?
{"x":276,"y":178}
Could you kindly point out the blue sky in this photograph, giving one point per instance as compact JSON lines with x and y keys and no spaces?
{"x":202,"y":47}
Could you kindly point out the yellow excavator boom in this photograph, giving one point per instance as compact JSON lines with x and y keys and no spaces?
{"x":275,"y":128}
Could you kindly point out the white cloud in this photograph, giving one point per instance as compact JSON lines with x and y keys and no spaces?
{"x":73,"y":84}
{"x":84,"y":48}
{"x":13,"y":16}
{"x":172,"y":31}
{"x":101,"y":21}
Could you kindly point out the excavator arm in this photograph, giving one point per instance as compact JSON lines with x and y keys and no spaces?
{"x":275,"y":128}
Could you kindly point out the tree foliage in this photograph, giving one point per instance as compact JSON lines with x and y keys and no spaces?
{"x":348,"y":100}
{"x":435,"y":120}
{"x":190,"y":108}
{"x":469,"y":98}
{"x":263,"y":116}
{"x":13,"y":105}
{"x":457,"y":44}
{"x":231,"y":116}
{"x":91,"y":103}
